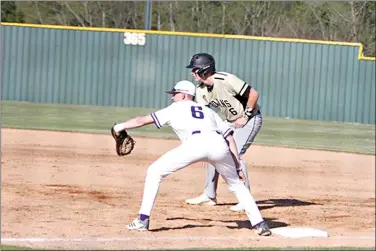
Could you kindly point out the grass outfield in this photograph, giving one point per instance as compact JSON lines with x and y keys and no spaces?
{"x":295,"y":133}
{"x":6,"y":247}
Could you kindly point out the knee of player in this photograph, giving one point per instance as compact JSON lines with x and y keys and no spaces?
{"x":155,"y":171}
{"x":235,"y":186}
{"x":152,"y":170}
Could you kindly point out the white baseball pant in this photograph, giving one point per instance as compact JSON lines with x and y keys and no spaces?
{"x":244,"y":137}
{"x":206,"y":146}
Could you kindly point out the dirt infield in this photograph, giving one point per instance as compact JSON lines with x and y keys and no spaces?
{"x":73,"y":185}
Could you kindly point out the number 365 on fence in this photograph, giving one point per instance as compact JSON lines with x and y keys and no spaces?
{"x":131,"y":38}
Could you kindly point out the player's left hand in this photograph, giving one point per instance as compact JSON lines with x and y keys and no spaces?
{"x":124,"y":143}
{"x":240,"y":122}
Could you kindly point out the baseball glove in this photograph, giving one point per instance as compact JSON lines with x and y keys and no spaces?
{"x":123,"y":142}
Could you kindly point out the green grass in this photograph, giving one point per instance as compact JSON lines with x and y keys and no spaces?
{"x":275,"y":131}
{"x":6,"y":247}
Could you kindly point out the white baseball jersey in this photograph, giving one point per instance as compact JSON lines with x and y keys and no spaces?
{"x":188,"y":117}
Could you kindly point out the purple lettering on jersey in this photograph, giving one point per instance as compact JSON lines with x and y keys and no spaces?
{"x":197,"y":112}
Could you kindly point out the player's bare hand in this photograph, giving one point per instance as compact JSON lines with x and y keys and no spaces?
{"x":240,"y":122}
{"x":238,"y":169}
{"x":241,"y":175}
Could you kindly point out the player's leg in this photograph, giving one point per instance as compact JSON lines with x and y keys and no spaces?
{"x":211,"y":181}
{"x":210,"y":191}
{"x":244,"y":138}
{"x":168,"y":163}
{"x":227,"y":170}
{"x":212,"y":176}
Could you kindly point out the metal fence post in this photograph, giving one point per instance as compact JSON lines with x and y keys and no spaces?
{"x":148,"y":12}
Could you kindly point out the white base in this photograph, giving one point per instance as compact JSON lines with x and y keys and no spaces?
{"x":299,"y":232}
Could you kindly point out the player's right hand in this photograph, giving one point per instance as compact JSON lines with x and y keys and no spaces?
{"x":240,"y":122}
{"x":238,"y":169}
{"x":241,"y":175}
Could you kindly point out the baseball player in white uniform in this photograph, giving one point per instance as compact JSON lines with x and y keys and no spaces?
{"x":204,"y":137}
{"x":237,"y":102}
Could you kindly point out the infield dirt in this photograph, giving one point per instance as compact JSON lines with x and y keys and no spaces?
{"x":73,"y":185}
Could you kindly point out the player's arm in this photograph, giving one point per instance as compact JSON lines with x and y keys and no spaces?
{"x":227,"y":133}
{"x":235,"y":155}
{"x":253,"y":97}
{"x":159,"y":118}
{"x":239,"y":87}
{"x":134,"y":123}
{"x":236,"y":86}
{"x":232,"y":146}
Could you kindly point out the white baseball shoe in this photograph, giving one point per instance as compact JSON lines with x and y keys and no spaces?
{"x":139,"y":225}
{"x":262,"y":229}
{"x":202,"y":199}
{"x":237,"y":208}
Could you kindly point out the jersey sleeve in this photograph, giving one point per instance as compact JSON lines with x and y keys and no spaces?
{"x":236,"y":86}
{"x":224,"y":127}
{"x":163,"y":116}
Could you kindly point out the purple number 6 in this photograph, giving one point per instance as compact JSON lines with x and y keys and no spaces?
{"x":197,"y":112}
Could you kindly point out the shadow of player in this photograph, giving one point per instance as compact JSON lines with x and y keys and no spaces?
{"x":177,"y":228}
{"x":272,"y":222}
{"x":271,"y":203}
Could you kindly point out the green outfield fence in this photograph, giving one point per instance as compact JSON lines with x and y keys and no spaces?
{"x":316,"y":80}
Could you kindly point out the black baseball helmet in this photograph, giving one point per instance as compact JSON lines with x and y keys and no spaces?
{"x":204,"y":62}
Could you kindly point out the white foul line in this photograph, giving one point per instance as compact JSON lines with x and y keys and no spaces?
{"x":163,"y":238}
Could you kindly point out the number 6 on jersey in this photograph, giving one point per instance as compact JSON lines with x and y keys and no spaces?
{"x":197,"y":112}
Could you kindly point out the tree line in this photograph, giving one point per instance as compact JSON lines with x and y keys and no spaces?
{"x":348,"y":21}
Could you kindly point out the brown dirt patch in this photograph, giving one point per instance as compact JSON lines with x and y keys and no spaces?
{"x":73,"y":185}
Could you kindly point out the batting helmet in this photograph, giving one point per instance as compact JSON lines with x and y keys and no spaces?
{"x":204,"y":62}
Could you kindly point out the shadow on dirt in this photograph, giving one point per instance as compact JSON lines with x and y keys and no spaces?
{"x":181,"y":227}
{"x":267,"y":204}
{"x":272,"y":222}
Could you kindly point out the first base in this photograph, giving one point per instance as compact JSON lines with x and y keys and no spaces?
{"x":299,"y":232}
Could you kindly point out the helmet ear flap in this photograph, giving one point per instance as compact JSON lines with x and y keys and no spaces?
{"x":206,"y":70}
